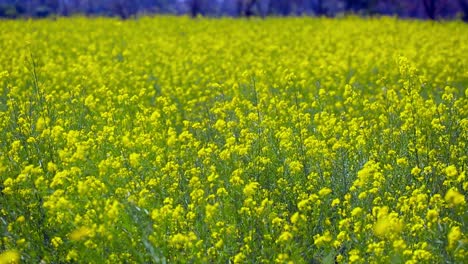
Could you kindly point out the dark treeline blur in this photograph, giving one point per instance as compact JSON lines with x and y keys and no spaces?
{"x":431,"y":9}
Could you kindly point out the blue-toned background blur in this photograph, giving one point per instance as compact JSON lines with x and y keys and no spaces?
{"x":426,"y":9}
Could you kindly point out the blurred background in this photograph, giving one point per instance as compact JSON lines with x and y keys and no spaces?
{"x":425,"y":9}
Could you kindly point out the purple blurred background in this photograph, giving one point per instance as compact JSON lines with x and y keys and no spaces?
{"x":425,"y":9}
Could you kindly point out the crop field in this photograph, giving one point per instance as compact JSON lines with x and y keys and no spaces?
{"x":284,"y":140}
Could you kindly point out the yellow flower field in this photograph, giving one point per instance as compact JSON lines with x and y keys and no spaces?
{"x":284,"y":140}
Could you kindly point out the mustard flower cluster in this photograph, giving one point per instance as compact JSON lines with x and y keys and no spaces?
{"x":284,"y":140}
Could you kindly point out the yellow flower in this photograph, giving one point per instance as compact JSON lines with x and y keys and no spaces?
{"x":421,"y":254}
{"x":282,"y":258}
{"x":298,"y":218}
{"x":335,"y":202}
{"x":80,"y":233}
{"x":236,"y":177}
{"x":56,"y":241}
{"x":399,"y":245}
{"x":10,"y":257}
{"x":402,"y":161}
{"x":455,"y":234}
{"x":451,"y":171}
{"x":415,"y":171}
{"x":354,"y":256}
{"x":251,"y":188}
{"x":72,"y":255}
{"x":284,"y":237}
{"x":210,"y":210}
{"x":277,"y":222}
{"x":432,"y":215}
{"x":356,"y":212}
{"x":182,"y":241}
{"x":454,"y":198}
{"x":90,"y":101}
{"x":42,"y":123}
{"x":112,"y":209}
{"x":239,"y":258}
{"x":295,"y":166}
{"x":321,"y":240}
{"x":134,"y":159}
{"x":362,"y":195}
{"x":219,"y":244}
{"x":388,"y":225}
{"x":303,"y":205}
{"x":51,"y":167}
{"x":324,"y":192}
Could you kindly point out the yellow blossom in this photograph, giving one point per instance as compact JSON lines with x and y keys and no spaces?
{"x":56,"y":241}
{"x":10,"y":257}
{"x":454,"y":236}
{"x":451,"y":171}
{"x":134,"y":159}
{"x":454,"y":198}
{"x":239,"y":258}
{"x":356,"y":212}
{"x":432,"y":215}
{"x":251,"y":188}
{"x":321,"y":240}
{"x":324,"y":192}
{"x":80,"y":233}
{"x":284,"y":237}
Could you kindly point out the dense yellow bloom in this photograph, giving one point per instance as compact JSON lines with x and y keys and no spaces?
{"x":432,"y":215}
{"x":399,"y":245}
{"x":80,"y":233}
{"x":57,"y":241}
{"x":454,"y":236}
{"x":239,"y":258}
{"x":421,"y":255}
{"x":451,"y":171}
{"x":72,"y":255}
{"x":231,"y":140}
{"x":335,"y":202}
{"x":324,"y":192}
{"x":112,"y":209}
{"x":210,"y":210}
{"x":134,"y":159}
{"x":283,"y":258}
{"x":354,"y":256}
{"x":388,"y":224}
{"x":251,"y":188}
{"x":284,"y":237}
{"x":182,"y":241}
{"x":402,"y":161}
{"x":10,"y":257}
{"x":41,"y":123}
{"x":320,"y":240}
{"x":356,"y":212}
{"x":454,"y":198}
{"x":295,"y":166}
{"x":415,"y":171}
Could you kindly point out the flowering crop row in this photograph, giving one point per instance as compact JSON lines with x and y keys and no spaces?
{"x":219,"y":140}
